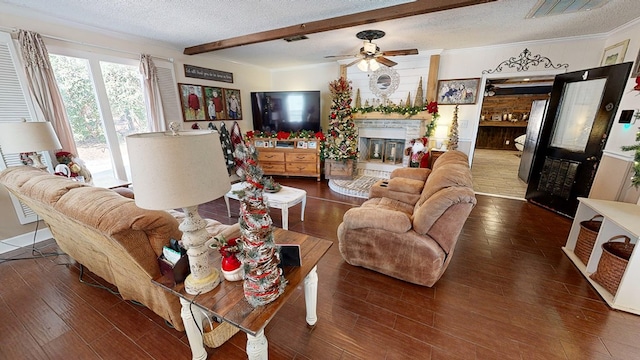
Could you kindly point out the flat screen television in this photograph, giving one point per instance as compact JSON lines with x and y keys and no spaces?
{"x":286,"y":110}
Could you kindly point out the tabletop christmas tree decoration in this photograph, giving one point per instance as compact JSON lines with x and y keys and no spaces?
{"x":263,"y":279}
{"x":408,"y":103}
{"x":419,"y":102}
{"x":452,"y":143}
{"x":358,"y":100}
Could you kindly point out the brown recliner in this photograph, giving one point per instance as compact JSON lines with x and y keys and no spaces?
{"x":409,"y":227}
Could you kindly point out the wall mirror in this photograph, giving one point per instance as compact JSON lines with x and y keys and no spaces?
{"x":384,"y":82}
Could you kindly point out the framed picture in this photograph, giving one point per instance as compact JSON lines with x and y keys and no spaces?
{"x":458,"y":91}
{"x":260,"y":143}
{"x":214,"y":100}
{"x":635,"y":72}
{"x":312,"y":144}
{"x":614,"y":54}
{"x":302,"y":144}
{"x":232,"y":103}
{"x":192,"y":102}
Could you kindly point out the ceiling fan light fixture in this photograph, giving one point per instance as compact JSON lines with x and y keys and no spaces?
{"x":363,"y":65}
{"x":367,"y":65}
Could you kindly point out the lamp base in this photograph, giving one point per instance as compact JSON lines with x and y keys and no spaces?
{"x":195,"y":286}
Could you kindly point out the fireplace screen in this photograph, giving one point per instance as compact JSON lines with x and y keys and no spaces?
{"x":388,"y":151}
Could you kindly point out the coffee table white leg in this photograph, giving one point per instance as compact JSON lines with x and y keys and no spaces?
{"x":226,"y":200}
{"x":257,"y":346}
{"x":285,"y":217}
{"x":311,"y":295}
{"x":304,"y":204}
{"x":193,"y":333}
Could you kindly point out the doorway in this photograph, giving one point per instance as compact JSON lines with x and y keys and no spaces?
{"x":505,"y":114}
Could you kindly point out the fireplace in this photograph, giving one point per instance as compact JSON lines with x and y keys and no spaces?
{"x":382,"y":144}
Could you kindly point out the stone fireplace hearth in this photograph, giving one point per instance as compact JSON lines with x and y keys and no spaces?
{"x":392,"y":137}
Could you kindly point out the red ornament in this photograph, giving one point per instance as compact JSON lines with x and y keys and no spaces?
{"x":637,"y":87}
{"x":229,"y":260}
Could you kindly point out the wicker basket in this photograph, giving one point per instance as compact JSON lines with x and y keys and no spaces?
{"x":613,"y":262}
{"x":587,"y":238}
{"x":216,"y":334}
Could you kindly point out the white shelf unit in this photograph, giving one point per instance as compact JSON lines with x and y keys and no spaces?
{"x":619,"y":219}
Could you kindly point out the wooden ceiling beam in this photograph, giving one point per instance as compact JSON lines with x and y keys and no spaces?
{"x":418,"y":7}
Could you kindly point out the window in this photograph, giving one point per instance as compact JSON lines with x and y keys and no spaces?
{"x":104,"y":102}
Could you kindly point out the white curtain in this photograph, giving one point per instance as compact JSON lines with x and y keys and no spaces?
{"x":153,"y":101}
{"x":43,"y":87}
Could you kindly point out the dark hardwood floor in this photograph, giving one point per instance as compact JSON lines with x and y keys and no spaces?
{"x":509,"y":293}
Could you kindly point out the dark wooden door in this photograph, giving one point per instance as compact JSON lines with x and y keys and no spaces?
{"x":579,"y":117}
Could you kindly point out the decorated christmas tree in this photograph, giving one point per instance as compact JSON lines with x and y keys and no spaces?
{"x":342,"y":135}
{"x":263,"y":280}
{"x":452,"y":143}
{"x":635,"y":179}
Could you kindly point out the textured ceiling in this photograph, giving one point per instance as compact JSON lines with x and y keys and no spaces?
{"x":184,"y":23}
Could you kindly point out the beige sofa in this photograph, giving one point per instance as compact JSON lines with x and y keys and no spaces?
{"x":409,"y":227}
{"x":107,"y":233}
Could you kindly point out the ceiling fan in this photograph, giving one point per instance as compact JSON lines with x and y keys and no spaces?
{"x":370,"y":54}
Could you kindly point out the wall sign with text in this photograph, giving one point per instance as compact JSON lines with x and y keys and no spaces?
{"x":207,"y":74}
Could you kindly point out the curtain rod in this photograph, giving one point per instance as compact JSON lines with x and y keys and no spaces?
{"x":15,"y":31}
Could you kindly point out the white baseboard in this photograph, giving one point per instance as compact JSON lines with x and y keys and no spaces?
{"x":23,"y":240}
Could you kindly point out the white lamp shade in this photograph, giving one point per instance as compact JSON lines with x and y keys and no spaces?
{"x":177,"y":171}
{"x":28,"y":136}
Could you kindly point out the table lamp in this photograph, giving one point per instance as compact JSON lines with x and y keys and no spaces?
{"x":182,"y":170}
{"x":28,"y":137}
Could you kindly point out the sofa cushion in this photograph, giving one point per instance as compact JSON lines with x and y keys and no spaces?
{"x":432,"y":209}
{"x":447,"y":175}
{"x":113,"y":214}
{"x":451,"y":156}
{"x":389,"y":204}
{"x":377,"y":216}
{"x":125,"y":191}
{"x":49,"y":189}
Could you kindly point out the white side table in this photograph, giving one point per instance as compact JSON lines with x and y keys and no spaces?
{"x":283,"y":199}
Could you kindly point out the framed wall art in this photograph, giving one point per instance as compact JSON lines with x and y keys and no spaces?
{"x":635,"y":72}
{"x":458,"y":91}
{"x":192,"y":101}
{"x":232,"y":103}
{"x":214,"y":100}
{"x":614,"y":54}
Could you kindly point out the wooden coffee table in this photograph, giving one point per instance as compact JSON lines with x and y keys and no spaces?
{"x":227,"y":300}
{"x":283,"y":199}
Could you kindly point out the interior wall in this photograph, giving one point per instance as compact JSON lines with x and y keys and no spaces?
{"x":307,"y":78}
{"x":246,"y":77}
{"x":624,"y":134}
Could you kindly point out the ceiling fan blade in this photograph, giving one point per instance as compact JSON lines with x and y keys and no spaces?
{"x":353,"y":62}
{"x":400,"y":52}
{"x":386,"y":62}
{"x":338,"y":56}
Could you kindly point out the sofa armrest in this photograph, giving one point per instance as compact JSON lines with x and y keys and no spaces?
{"x":375,"y":217}
{"x":402,"y":189}
{"x":411,"y":173}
